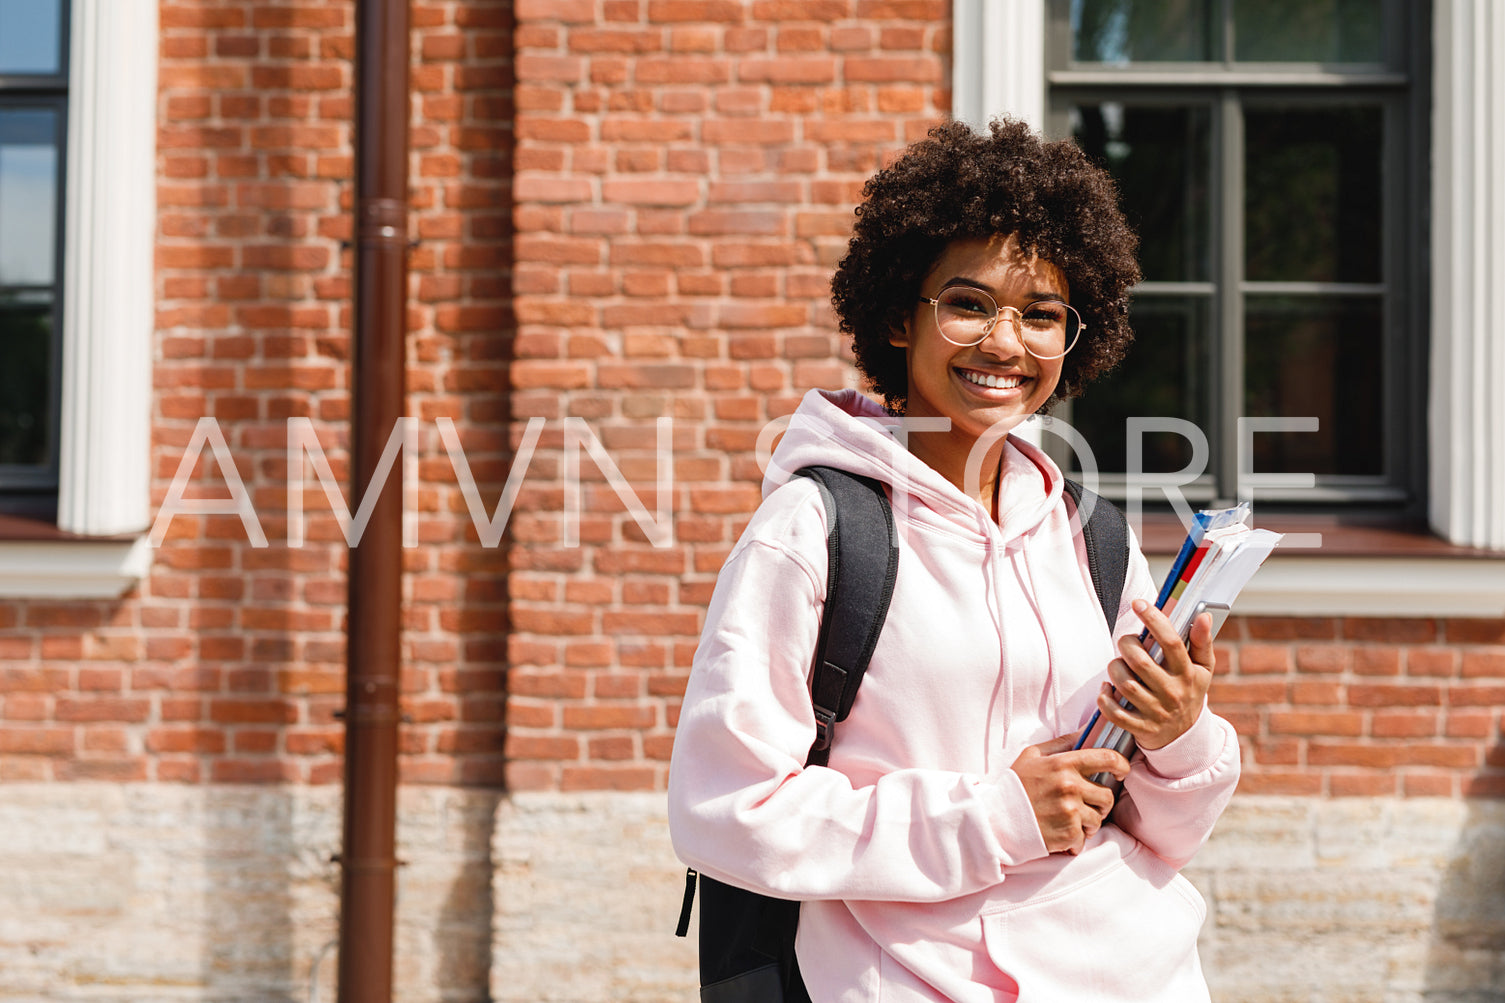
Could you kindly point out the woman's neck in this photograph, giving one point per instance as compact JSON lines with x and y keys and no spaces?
{"x":950,"y":459}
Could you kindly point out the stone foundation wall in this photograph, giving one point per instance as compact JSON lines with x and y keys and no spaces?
{"x":587,"y":895}
{"x":1350,"y":900}
{"x":226,"y":894}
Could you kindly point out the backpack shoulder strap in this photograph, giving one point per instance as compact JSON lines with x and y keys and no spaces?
{"x":1105,"y":532}
{"x":862,"y":564}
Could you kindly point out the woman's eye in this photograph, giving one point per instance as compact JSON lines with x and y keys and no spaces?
{"x":965,"y":304}
{"x":1045,"y":313}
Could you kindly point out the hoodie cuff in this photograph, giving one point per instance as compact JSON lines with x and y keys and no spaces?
{"x":1194,"y":752}
{"x":1013,"y":819}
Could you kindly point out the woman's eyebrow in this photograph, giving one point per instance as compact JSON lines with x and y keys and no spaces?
{"x":1034,"y":297}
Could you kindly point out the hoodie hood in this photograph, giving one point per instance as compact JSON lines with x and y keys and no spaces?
{"x":848,"y":431}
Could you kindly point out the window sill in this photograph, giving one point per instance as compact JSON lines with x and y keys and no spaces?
{"x":1362,"y":568}
{"x":40,"y":561}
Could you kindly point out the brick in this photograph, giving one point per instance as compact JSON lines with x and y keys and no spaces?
{"x":1314,"y":693}
{"x":185,"y":739}
{"x":1419,"y":785}
{"x":30,"y":679}
{"x":259,"y":770}
{"x":616,"y":686}
{"x":656,"y":191}
{"x":249,"y":711}
{"x":1475,"y":631}
{"x":1491,"y":785}
{"x":1376,"y":661}
{"x":1396,"y":630}
{"x":1361,"y":785}
{"x":1316,"y":723}
{"x":595,"y":717}
{"x":608,"y":778}
{"x":1385,"y":695}
{"x":1404,"y":724}
{"x":116,"y":769}
{"x":1329,"y":659}
{"x":563,"y":11}
{"x":891,"y":70}
{"x":1477,"y":694}
{"x":116,"y":709}
{"x":35,"y":741}
{"x":1302,"y":783}
{"x":1460,"y":757}
{"x":1484,"y":663}
{"x":1263,"y":659}
{"x":1469,"y":724}
{"x":1440,"y":662}
{"x":1383,"y":757}
{"x":698,"y":11}
{"x":787,"y":69}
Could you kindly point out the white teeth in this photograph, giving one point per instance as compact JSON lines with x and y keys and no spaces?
{"x":992,"y":382}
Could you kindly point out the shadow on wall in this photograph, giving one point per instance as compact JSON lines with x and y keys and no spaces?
{"x":455,"y":652}
{"x":1466,"y":954}
{"x":269,"y":893}
{"x":1359,"y":900}
{"x":117,"y":892}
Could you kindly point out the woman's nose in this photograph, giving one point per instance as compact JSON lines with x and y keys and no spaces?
{"x":1003,"y":336}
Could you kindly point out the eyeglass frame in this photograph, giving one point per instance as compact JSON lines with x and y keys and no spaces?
{"x":1017,"y":321}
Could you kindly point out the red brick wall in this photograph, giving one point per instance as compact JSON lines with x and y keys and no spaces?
{"x":1372,"y":706}
{"x":686,"y":171}
{"x":649,"y":233}
{"x":227,"y":663}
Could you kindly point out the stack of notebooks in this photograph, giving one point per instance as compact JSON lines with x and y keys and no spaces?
{"x":1216,"y":561}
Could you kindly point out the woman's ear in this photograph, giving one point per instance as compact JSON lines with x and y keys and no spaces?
{"x":899,"y":336}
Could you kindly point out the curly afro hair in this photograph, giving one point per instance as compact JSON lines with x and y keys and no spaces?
{"x":957,"y":184}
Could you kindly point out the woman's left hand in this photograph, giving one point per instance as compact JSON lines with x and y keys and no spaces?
{"x":1167,"y":699}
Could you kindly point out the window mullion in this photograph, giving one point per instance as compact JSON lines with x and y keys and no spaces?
{"x":1227,"y":357}
{"x":1225,"y":9}
{"x":1393,"y":274}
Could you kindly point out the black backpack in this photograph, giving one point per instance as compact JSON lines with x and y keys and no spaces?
{"x":746,"y":938}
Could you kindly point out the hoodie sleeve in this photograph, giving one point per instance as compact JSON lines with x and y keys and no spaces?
{"x":1175,"y":794}
{"x":744,"y":808}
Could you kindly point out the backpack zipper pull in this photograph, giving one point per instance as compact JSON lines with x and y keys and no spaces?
{"x":684,"y":910}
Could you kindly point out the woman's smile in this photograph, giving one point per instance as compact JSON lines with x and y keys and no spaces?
{"x":991,"y":381}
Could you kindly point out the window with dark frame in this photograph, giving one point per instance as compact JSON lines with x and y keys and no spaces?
{"x":1272,"y":156}
{"x":33,"y":127}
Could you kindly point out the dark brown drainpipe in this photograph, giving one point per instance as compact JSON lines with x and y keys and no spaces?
{"x":373,"y":631}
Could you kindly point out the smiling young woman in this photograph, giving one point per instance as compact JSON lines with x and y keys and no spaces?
{"x":953,"y":847}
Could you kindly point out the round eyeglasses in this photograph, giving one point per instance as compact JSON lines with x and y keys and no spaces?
{"x":1046,"y":328}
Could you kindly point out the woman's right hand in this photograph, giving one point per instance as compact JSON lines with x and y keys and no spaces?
{"x":1069,"y":807}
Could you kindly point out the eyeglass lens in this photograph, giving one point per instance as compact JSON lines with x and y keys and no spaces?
{"x":966,"y":316}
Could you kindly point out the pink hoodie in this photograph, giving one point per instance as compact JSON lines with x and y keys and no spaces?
{"x":916,"y":853}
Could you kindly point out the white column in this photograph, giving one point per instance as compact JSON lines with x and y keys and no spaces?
{"x":998,"y":61}
{"x":108,"y":284}
{"x":1466,"y":423}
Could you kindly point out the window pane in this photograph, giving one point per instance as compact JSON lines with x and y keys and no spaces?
{"x":25,"y":376}
{"x":1132,"y":31}
{"x":28,"y":196}
{"x":1165,"y":376}
{"x":1323,"y":357}
{"x":1312,"y":202}
{"x":1316,"y":31}
{"x":30,"y":35}
{"x":1159,"y":155}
